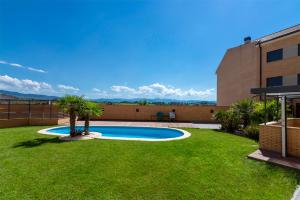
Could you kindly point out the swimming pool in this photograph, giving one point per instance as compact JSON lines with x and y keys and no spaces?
{"x":125,"y":132}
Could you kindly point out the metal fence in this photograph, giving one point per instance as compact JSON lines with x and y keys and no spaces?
{"x":20,"y":109}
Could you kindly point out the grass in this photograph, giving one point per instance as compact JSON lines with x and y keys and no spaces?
{"x":208,"y":165}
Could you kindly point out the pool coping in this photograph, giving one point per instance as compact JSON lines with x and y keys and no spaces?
{"x":185,"y":135}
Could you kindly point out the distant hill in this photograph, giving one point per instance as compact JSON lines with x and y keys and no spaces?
{"x":154,"y":101}
{"x":19,"y":95}
{"x":7,"y":97}
{"x":28,"y":96}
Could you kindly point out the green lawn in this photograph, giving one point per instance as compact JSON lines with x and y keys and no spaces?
{"x":208,"y":165}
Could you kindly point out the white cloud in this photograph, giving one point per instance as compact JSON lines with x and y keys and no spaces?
{"x":15,"y":65}
{"x":66,"y":88}
{"x":35,"y":87}
{"x":36,"y":70}
{"x":155,"y":90}
{"x":25,"y":85}
{"x":118,"y":88}
{"x":100,"y":93}
{"x":22,"y":66}
{"x":96,"y":90}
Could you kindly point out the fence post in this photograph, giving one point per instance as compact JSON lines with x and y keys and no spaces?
{"x":50,"y":110}
{"x":8,"y":109}
{"x":43,"y":114}
{"x":29,"y":109}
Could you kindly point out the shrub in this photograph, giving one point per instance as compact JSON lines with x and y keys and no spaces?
{"x":271,"y":113}
{"x":252,"y":131}
{"x":247,"y":112}
{"x":229,"y":120}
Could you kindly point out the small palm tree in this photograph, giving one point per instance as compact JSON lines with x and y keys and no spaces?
{"x":71,"y":104}
{"x":87,"y":110}
{"x":244,"y":109}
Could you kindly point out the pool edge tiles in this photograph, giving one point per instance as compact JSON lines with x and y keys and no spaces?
{"x":185,"y":134}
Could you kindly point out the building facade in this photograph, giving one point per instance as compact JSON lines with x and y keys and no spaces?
{"x":270,"y":61}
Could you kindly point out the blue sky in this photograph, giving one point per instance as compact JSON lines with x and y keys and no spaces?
{"x":151,"y":48}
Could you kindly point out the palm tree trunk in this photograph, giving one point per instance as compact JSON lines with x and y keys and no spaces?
{"x":86,"y":124}
{"x":72,"y":123}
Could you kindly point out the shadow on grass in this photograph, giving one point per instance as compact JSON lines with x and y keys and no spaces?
{"x":38,"y":142}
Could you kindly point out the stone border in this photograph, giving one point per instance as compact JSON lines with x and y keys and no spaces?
{"x":45,"y":131}
{"x":91,"y":136}
{"x":186,"y":134}
{"x":296,"y":195}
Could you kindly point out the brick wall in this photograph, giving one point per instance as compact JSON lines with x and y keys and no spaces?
{"x":40,"y":114}
{"x":184,"y":113}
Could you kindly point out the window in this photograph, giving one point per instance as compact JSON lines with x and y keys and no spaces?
{"x":298,"y":49}
{"x":298,"y":79}
{"x":274,"y":81}
{"x":274,"y":55}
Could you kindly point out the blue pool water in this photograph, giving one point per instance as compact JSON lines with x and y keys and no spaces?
{"x":126,"y":132}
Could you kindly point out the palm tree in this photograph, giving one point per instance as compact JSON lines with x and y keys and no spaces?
{"x":87,"y":110}
{"x":244,"y":109}
{"x":71,"y":104}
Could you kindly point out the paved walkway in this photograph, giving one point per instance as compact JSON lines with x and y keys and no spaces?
{"x":275,"y":158}
{"x":154,"y":124}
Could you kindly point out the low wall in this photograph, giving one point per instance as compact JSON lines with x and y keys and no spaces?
{"x":294,"y":122}
{"x":8,"y":123}
{"x":41,"y":115}
{"x":270,"y":137}
{"x":42,"y":122}
{"x":184,"y":113}
{"x":129,"y":112}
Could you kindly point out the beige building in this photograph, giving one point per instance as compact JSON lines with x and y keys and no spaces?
{"x":270,"y":61}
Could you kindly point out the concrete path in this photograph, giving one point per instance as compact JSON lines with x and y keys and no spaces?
{"x":153,"y":124}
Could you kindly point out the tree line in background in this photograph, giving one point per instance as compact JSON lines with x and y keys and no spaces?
{"x":246,"y":115}
{"x":77,"y":106}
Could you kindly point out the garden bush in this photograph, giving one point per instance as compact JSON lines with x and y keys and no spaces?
{"x":229,"y":120}
{"x":252,"y":131}
{"x":247,"y":114}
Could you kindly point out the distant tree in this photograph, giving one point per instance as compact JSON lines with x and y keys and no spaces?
{"x":71,"y":105}
{"x":87,"y":110}
{"x":143,"y":102}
